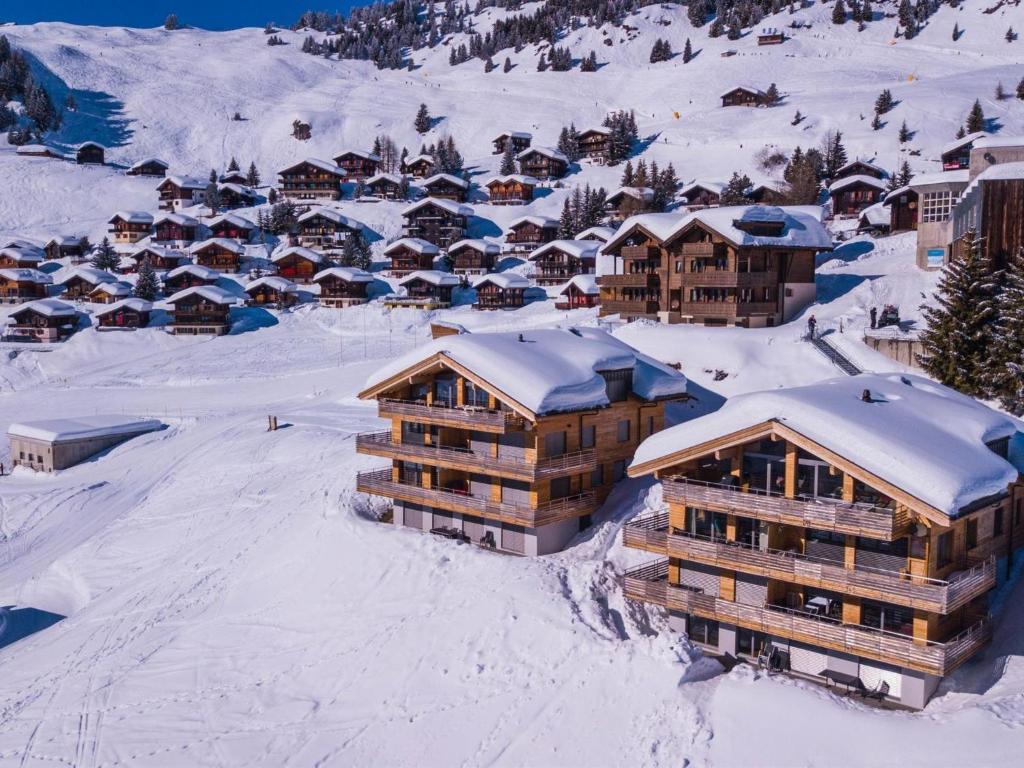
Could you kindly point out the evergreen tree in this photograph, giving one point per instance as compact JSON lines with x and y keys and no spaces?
{"x":233,"y":165}
{"x":422,"y":121}
{"x":797,"y":118}
{"x":1010,"y":35}
{"x":735,"y":192}
{"x":508,"y":159}
{"x":171,"y":22}
{"x":1020,"y":89}
{"x":772,"y":96}
{"x":697,"y":12}
{"x":961,"y":327}
{"x":839,"y":12}
{"x":103,"y":257}
{"x":904,"y":134}
{"x":876,"y":123}
{"x":687,"y":52}
{"x":589,"y":64}
{"x":252,"y":178}
{"x":566,"y":225}
{"x":884,"y":102}
{"x":356,"y":252}
{"x":960,"y":132}
{"x":147,"y":286}
{"x":903,"y":176}
{"x":507,"y":67}
{"x":975,"y":118}
{"x":956,"y":32}
{"x":866,"y":11}
{"x":627,"y":174}
{"x":213,"y":197}
{"x":1008,"y":346}
{"x":1000,"y":92}
{"x":834,"y":153}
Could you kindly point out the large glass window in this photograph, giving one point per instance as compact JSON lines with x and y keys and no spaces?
{"x":475,"y":395}
{"x":445,"y":390}
{"x":702,"y":522}
{"x":936,"y":206}
{"x":815,"y":480}
{"x":891,"y":618}
{"x":764,"y":466}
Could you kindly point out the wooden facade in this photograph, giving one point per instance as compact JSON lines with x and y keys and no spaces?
{"x":576,"y":296}
{"x":90,"y":153}
{"x":743,"y":97}
{"x":325,"y":229}
{"x":594,"y":143}
{"x":130,"y":227}
{"x":511,"y":190}
{"x":520,"y":141}
{"x":424,"y":293}
{"x":771,"y":37}
{"x":179,"y":192}
{"x":853,"y":197}
{"x":160,"y":259}
{"x":46,"y":321}
{"x":543,"y":164}
{"x":444,"y":186}
{"x":473,"y":257}
{"x":357,"y":166}
{"x":175,"y":228}
{"x":342,"y":287}
{"x":67,"y":248}
{"x":189,"y":276}
{"x":272,"y":292}
{"x":311,"y":180}
{"x":409,"y":257}
{"x":436,"y":223}
{"x":298,"y":264}
{"x":18,"y":286}
{"x":220,"y":255}
{"x":500,"y":294}
{"x":903,"y":209}
{"x":419,"y":167}
{"x":386,"y":187}
{"x":124,"y":315}
{"x":531,"y":232}
{"x":561,"y":260}
{"x":994,"y":210}
{"x":151,"y":167}
{"x":232,"y":227}
{"x":200,"y":312}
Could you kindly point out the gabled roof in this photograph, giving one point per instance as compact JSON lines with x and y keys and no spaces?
{"x":958,"y":143}
{"x":48,"y":308}
{"x":348,"y":274}
{"x":549,"y":152}
{"x":208,"y":292}
{"x":413,"y":244}
{"x":456,"y":209}
{"x":598,"y":129}
{"x":476,"y":244}
{"x":747,"y":88}
{"x":358,"y":153}
{"x":232,"y":246}
{"x":280,"y":284}
{"x":159,"y":251}
{"x":709,"y":186}
{"x":895,"y":436}
{"x":239,"y":189}
{"x":585,"y":284}
{"x":504,"y":280}
{"x":581,"y":249}
{"x":25,"y":275}
{"x":203,"y":273}
{"x":538,"y":221}
{"x":150,"y":161}
{"x":116,"y":288}
{"x":181,"y":219}
{"x":133,"y":303}
{"x":513,"y":178}
{"x":95,"y":144}
{"x":604,"y":234}
{"x":25,"y":254}
{"x":513,"y":135}
{"x":876,"y":215}
{"x":88,"y":274}
{"x":132,"y":217}
{"x":446,"y":177}
{"x":643,"y":194}
{"x":858,"y":178}
{"x":337,"y":217}
{"x":323,"y":165}
{"x":300,"y":252}
{"x":894,"y":193}
{"x":432,"y":276}
{"x":537,"y":372}
{"x":233,"y":219}
{"x":81,"y":428}
{"x":378,"y":178}
{"x":419,"y":159}
{"x":61,"y":240}
{"x":863,"y":163}
{"x":182,"y":182}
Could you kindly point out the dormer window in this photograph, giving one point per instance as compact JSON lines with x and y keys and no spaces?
{"x":618,"y":384}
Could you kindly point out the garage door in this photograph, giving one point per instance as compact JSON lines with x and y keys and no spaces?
{"x":513,"y":538}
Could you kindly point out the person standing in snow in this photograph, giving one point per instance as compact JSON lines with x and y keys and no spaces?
{"x":874,"y":317}
{"x":812,"y":323}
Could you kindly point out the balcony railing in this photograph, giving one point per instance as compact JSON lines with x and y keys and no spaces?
{"x":384,"y":444}
{"x":649,"y":585}
{"x":900,"y":588}
{"x":630,"y":280}
{"x":630,"y":307}
{"x":727,"y":308}
{"x":818,"y":513}
{"x":713,"y":278}
{"x":471,"y":417}
{"x":380,"y":483}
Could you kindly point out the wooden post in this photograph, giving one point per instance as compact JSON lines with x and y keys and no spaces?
{"x":791,"y":463}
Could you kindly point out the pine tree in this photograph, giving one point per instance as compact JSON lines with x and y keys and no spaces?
{"x":839,"y":12}
{"x":834,"y":153}
{"x":508,"y":159}
{"x":903,"y":176}
{"x":772,"y":96}
{"x":697,"y":13}
{"x":975,"y":118}
{"x":1000,"y":92}
{"x":960,"y":132}
{"x":884,"y":102}
{"x":213,"y":196}
{"x":1020,"y":89}
{"x":956,"y":32}
{"x":422,"y":121}
{"x":104,"y":257}
{"x":961,"y":327}
{"x":589,"y":64}
{"x":687,"y":52}
{"x":904,"y":134}
{"x":797,"y":118}
{"x":876,"y":123}
{"x":171,"y":22}
{"x":627,"y":174}
{"x":147,"y":286}
{"x":233,"y":165}
{"x":566,"y":225}
{"x":356,"y":252}
{"x":507,"y":66}
{"x":252,"y":178}
{"x":1008,"y":347}
{"x":1010,"y":35}
{"x":488,"y":65}
{"x":735,"y":192}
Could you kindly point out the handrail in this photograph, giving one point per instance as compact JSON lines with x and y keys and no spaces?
{"x":455,"y":412}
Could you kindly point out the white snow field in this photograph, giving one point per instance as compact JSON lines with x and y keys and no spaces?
{"x":229,"y":599}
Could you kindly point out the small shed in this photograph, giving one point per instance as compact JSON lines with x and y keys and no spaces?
{"x":61,"y":443}
{"x":90,"y":153}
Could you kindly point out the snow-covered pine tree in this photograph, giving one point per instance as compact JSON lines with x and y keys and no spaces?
{"x":171,"y":22}
{"x":904,"y":134}
{"x":772,"y":96}
{"x":422,"y":121}
{"x":252,"y":176}
{"x":147,"y":286}
{"x":508,"y":159}
{"x":356,"y":252}
{"x":1000,"y":92}
{"x":104,"y":257}
{"x":956,"y":345}
{"x":566,"y":228}
{"x":839,"y":12}
{"x":975,"y":118}
{"x":1008,"y":345}
{"x":876,"y":123}
{"x":589,"y":63}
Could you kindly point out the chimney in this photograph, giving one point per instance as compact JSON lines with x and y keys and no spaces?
{"x":865,"y":396}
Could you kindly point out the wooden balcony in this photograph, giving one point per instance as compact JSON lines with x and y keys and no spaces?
{"x":650,"y":584}
{"x":380,"y":483}
{"x":897,"y":587}
{"x":727,"y":309}
{"x":631,"y":280}
{"x":640,"y":252}
{"x":703,"y":249}
{"x":630,"y":307}
{"x":384,"y":445}
{"x":721,"y":278}
{"x":820,"y":513}
{"x":468,"y":417}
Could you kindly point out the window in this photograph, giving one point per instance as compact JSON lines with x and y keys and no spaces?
{"x":22,"y":455}
{"x":588,"y":436}
{"x":997,"y":522}
{"x":936,"y":206}
{"x":944,"y":555}
{"x":972,"y":533}
{"x":623,"y":434}
{"x":618,"y":384}
{"x":650,"y":426}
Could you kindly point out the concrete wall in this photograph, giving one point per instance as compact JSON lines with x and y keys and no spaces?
{"x":803,"y":295}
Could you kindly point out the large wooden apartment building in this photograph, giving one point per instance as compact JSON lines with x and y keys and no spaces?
{"x":838,"y":530}
{"x":512,"y":440}
{"x":750,"y":266}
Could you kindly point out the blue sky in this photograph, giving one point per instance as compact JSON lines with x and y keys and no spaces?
{"x":209,"y":14}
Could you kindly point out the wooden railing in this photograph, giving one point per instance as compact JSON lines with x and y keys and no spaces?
{"x":703,"y":249}
{"x":383,"y":444}
{"x":630,"y":280}
{"x":471,"y":417}
{"x":380,"y":483}
{"x":726,"y":308}
{"x":646,"y":584}
{"x":935,"y":595}
{"x":712,"y":278}
{"x":630,"y":307}
{"x":819,"y":513}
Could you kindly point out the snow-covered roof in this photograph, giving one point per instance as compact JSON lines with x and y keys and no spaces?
{"x":301,"y":252}
{"x":581,"y":249}
{"x":961,"y":176}
{"x":1000,"y":172}
{"x":65,"y":240}
{"x":538,"y":221}
{"x":274,"y":282}
{"x":644,"y":194}
{"x":922,"y":437}
{"x":863,"y":163}
{"x":208,"y":292}
{"x":477,"y":244}
{"x":432,"y":276}
{"x":134,"y":303}
{"x":331,"y":215}
{"x":26,"y":275}
{"x":132,"y":217}
{"x":447,"y":177}
{"x":114,"y":289}
{"x":239,"y":189}
{"x":150,"y":161}
{"x":857,"y":178}
{"x":604,"y":234}
{"x":549,"y":152}
{"x":181,"y":219}
{"x":801,"y":228}
{"x":513,"y":135}
{"x":513,"y":178}
{"x":23,"y":254}
{"x":233,"y":219}
{"x":456,"y":209}
{"x":95,"y":144}
{"x":999,"y":142}
{"x":876,"y":215}
{"x":348,"y":274}
{"x":49,"y":308}
{"x":358,"y":153}
{"x":419,"y":159}
{"x":413,"y":244}
{"x":88,"y":274}
{"x":323,"y":165}
{"x":232,"y":246}
{"x":748,"y":88}
{"x":709,"y":186}
{"x":203,"y":273}
{"x":892,"y":194}
{"x":34,"y":149}
{"x":81,"y":428}
{"x":388,"y":177}
{"x":957,"y":143}
{"x":598,"y":129}
{"x":585,"y":284}
{"x":183,"y":182}
{"x":547,"y":370}
{"x":503,"y":280}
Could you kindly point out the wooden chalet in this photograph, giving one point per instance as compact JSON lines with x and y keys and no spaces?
{"x":629,"y":201}
{"x":789,"y":541}
{"x":189,"y":276}
{"x":67,"y":247}
{"x":852,"y":194}
{"x":128,"y":227}
{"x":232,"y":226}
{"x":771,"y":36}
{"x":110,"y":293}
{"x":581,"y":292}
{"x":473,"y":257}
{"x":543,"y":163}
{"x":410,"y":254}
{"x":742,"y":96}
{"x":22,"y":256}
{"x":201,"y":311}
{"x":45,"y":320}
{"x":529,"y":232}
{"x":234,"y":177}
{"x":476,"y":451}
{"x":176,"y":229}
{"x":445,"y":186}
{"x":992,"y":208}
{"x":704,"y":267}
{"x":177,"y":192}
{"x":902,"y":204}
{"x":272,"y":290}
{"x":502,"y":290}
{"x":311,"y":179}
{"x":325,"y":229}
{"x":298,"y":263}
{"x":236,"y":196}
{"x":860,"y":168}
{"x":425,"y":289}
{"x":419,"y":166}
{"x":357,"y":165}
{"x":594,"y":143}
{"x":220,"y":254}
{"x":149,"y":167}
{"x":18,"y":286}
{"x":160,"y":258}
{"x":514,"y":189}
{"x":702,"y":194}
{"x":441,"y":222}
{"x":80,"y":282}
{"x":90,"y":153}
{"x":386,"y":186}
{"x":342,"y":286}
{"x":956,"y":155}
{"x":128,"y":315}
{"x":520,"y":141}
{"x":561,"y":260}
{"x":598,"y":234}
